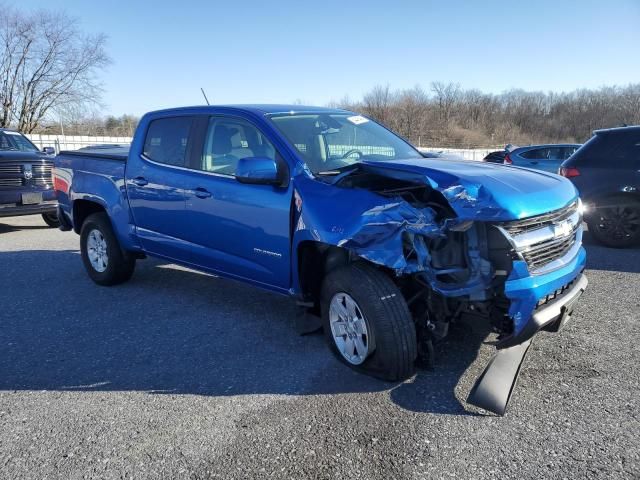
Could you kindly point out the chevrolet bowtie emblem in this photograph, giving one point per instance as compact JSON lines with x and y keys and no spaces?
{"x":562,"y":229}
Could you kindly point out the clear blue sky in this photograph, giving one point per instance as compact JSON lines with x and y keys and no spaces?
{"x":245,"y":51}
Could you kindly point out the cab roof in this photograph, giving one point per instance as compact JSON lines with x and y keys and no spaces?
{"x":259,"y":108}
{"x":626,"y":128}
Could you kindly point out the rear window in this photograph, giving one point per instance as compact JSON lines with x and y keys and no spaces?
{"x":611,"y":150}
{"x":536,"y":154}
{"x":167,"y":140}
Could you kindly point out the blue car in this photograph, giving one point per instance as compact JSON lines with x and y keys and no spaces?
{"x":547,"y":158}
{"x":380,"y":246}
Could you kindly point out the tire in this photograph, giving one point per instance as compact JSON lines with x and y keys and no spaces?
{"x":390,"y":340}
{"x":111,"y":269}
{"x":616,"y":222}
{"x":51,"y":219}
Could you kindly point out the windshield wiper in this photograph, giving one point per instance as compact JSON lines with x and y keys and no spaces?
{"x":339,"y":173}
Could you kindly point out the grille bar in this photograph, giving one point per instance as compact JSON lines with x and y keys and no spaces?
{"x":543,"y":239}
{"x":10,"y":182}
{"x":533,"y":223}
{"x":10,"y":169}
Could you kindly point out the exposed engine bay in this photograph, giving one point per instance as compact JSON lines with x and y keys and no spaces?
{"x":452,"y":268}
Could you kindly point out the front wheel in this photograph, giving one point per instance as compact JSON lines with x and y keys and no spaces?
{"x":367,"y":322}
{"x":51,"y":219}
{"x":102,"y":256}
{"x":616,"y":222}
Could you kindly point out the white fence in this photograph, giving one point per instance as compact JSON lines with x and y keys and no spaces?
{"x":74,"y":142}
{"x":465,"y":153}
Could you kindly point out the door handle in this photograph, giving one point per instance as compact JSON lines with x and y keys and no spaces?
{"x":140,"y":181}
{"x":202,"y":192}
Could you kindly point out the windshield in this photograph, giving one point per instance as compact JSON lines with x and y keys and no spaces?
{"x":16,"y":142}
{"x":330,"y":141}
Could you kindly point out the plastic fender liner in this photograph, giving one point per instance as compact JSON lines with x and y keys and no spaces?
{"x":493,"y":388}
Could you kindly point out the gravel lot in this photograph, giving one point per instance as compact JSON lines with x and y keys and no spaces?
{"x":182,"y":375}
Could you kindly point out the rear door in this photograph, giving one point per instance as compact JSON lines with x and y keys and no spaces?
{"x":239,"y":229}
{"x":156,"y":187}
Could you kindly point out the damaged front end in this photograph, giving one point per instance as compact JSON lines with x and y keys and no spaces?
{"x":454,"y":252}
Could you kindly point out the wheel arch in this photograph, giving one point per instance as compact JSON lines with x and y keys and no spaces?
{"x":313,"y":261}
{"x":82,"y":209}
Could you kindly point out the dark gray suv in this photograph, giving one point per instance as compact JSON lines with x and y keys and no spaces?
{"x":606,"y":171}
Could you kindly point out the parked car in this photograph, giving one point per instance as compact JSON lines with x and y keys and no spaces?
{"x":441,"y":154}
{"x":540,"y":157}
{"x":382,"y":247}
{"x":495,"y":157}
{"x":26,"y":181}
{"x":606,"y":171}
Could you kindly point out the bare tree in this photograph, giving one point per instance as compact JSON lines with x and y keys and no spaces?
{"x":448,"y":116}
{"x":446,"y":95}
{"x":46,"y":63}
{"x":377,"y":104}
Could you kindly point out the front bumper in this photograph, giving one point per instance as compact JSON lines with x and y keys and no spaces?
{"x":16,"y":209}
{"x":551,"y":315}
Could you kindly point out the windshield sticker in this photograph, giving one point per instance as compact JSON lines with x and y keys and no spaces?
{"x":9,"y":132}
{"x":358,"y":119}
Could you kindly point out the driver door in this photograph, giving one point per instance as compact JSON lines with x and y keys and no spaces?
{"x":240,"y":229}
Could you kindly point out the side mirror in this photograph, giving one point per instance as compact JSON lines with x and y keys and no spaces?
{"x":49,"y":150}
{"x":257,"y":170}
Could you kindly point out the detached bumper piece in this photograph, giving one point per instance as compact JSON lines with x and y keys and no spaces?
{"x":494,"y":387}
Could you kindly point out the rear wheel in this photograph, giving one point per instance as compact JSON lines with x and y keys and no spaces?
{"x":51,"y":219}
{"x":367,"y":322}
{"x":102,"y":256}
{"x":616,"y":222}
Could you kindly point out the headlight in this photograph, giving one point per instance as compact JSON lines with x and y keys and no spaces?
{"x":582,"y":208}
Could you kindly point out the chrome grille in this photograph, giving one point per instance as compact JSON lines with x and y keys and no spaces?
{"x":543,"y":241}
{"x":12,"y":174}
{"x":10,"y":170}
{"x":541,"y":254}
{"x":10,"y":182}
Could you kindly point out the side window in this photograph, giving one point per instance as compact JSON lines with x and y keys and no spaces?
{"x":556,"y":153}
{"x":626,"y":153}
{"x":612,"y":150}
{"x":536,"y":154}
{"x":230,"y":139}
{"x":167,"y":140}
{"x":568,"y":151}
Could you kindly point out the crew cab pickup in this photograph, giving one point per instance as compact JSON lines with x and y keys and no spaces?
{"x":26,"y":181}
{"x":380,"y":246}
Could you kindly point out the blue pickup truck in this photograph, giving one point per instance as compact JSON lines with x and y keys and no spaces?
{"x":380,"y":246}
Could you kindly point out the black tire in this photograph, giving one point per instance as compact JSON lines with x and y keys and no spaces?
{"x":392,"y":335}
{"x":616,"y":222}
{"x":120,"y":265}
{"x":51,"y":219}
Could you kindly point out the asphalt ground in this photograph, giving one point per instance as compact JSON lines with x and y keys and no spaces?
{"x":178,"y":374}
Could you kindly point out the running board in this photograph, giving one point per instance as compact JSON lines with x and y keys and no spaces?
{"x":493,"y":388}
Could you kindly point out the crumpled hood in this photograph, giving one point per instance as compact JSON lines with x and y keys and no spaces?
{"x":484,"y":191}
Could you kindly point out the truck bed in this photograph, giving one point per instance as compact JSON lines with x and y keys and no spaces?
{"x":109,"y":152}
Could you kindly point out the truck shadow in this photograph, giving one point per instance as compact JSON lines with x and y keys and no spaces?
{"x":175,"y":331}
{"x":6,"y":228}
